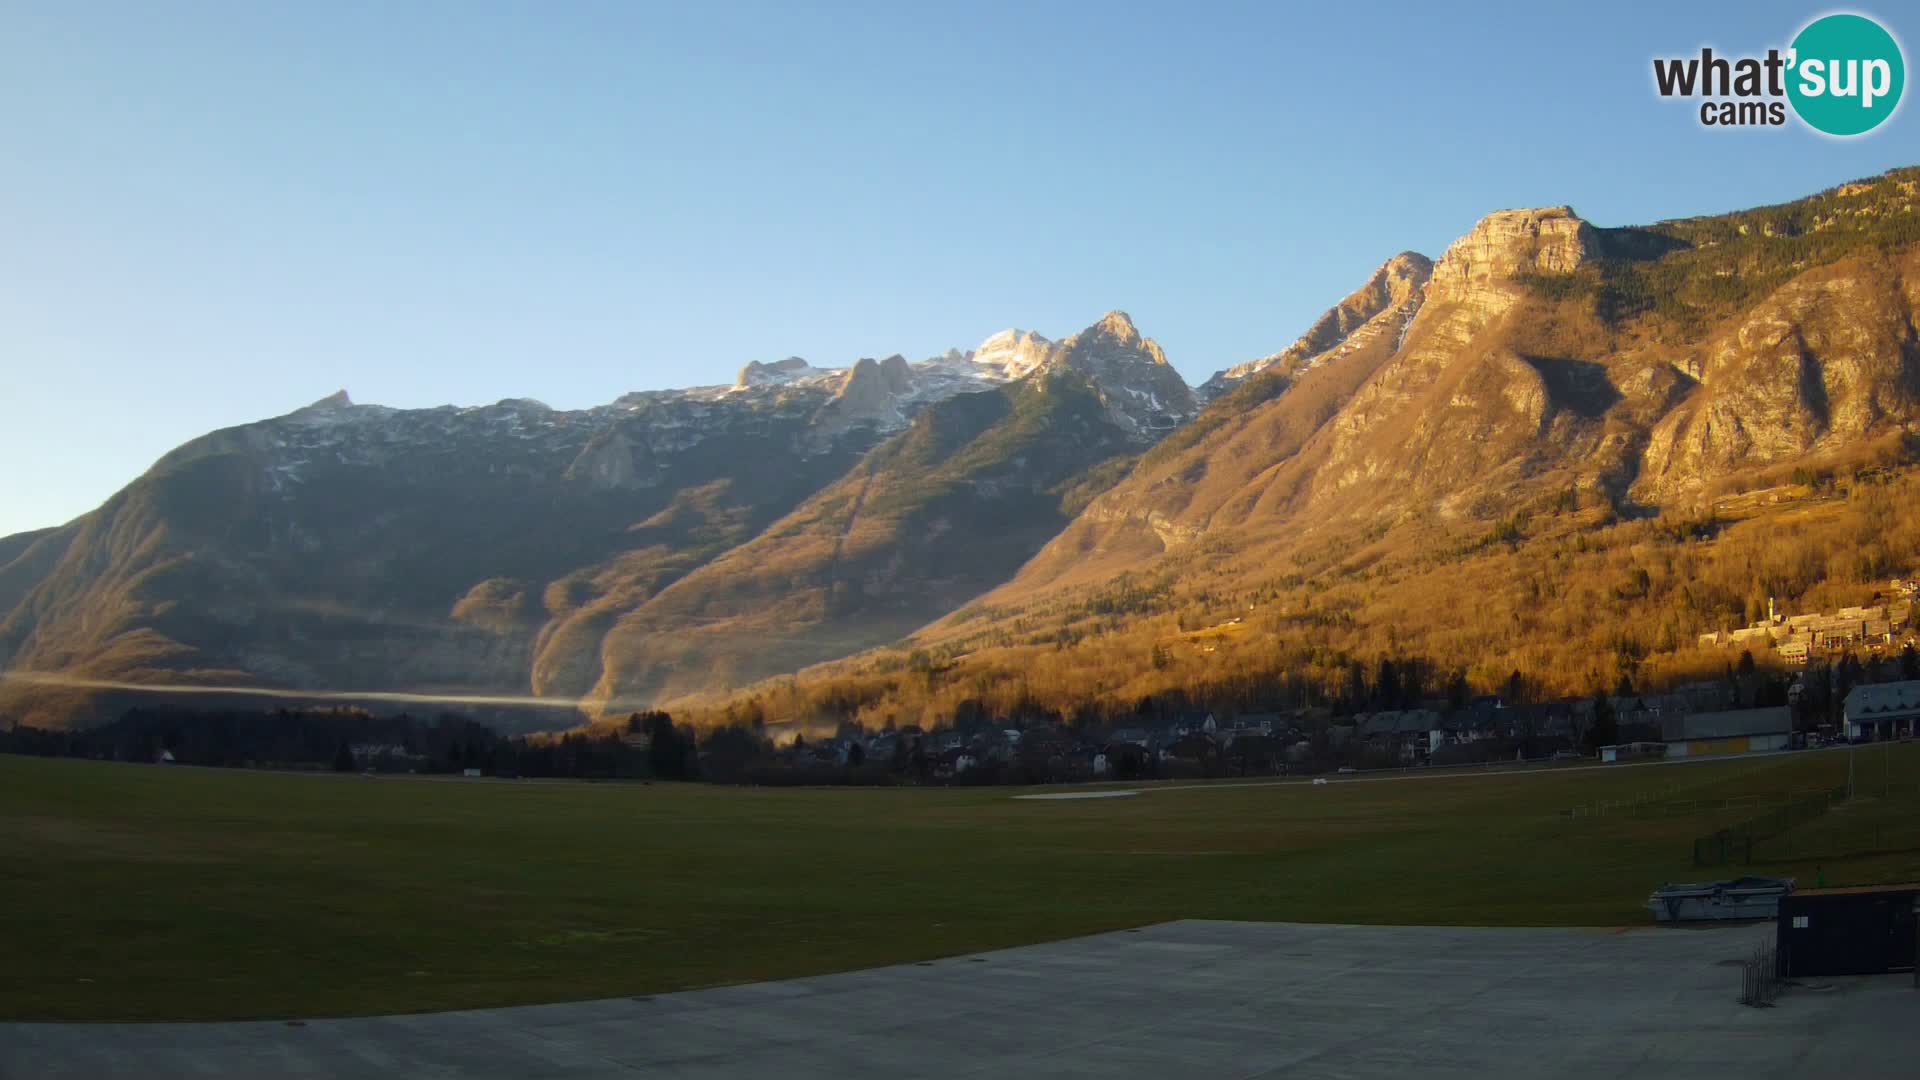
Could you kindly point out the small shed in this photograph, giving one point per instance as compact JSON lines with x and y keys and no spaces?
{"x":1864,"y":930}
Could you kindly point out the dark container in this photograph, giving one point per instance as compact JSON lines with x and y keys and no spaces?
{"x":1866,"y":930}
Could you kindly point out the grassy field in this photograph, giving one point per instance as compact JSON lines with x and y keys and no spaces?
{"x":141,"y":893}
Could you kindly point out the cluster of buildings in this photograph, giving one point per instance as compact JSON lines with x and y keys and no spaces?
{"x":1693,"y":720}
{"x":1798,"y":638}
{"x":1266,"y":741}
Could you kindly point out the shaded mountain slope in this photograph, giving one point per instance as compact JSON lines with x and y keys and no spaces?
{"x":925,"y":522}
{"x":355,"y":547}
{"x":506,"y":549}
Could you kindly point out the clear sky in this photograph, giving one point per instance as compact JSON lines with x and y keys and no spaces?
{"x":211,"y":213}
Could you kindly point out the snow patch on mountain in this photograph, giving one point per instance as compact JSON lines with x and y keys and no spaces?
{"x":614,"y":444}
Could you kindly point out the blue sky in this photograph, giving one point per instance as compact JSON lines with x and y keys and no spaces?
{"x":211,"y":213}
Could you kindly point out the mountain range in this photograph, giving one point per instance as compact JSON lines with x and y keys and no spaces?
{"x":692,"y":542}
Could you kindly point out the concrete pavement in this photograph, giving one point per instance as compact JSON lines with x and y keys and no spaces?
{"x":1183,"y":999}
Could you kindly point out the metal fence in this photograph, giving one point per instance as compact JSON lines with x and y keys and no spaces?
{"x":1876,"y":838}
{"x":1735,"y":843}
{"x":1690,"y":807}
{"x":1760,"y":977}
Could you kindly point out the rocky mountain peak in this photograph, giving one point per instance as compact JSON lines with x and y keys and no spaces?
{"x":1142,"y":392}
{"x":1401,"y":276}
{"x":1011,"y":354}
{"x":1508,"y":243}
{"x":1116,"y":326}
{"x":1010,"y":339}
{"x":870,"y":380}
{"x":897,"y":372}
{"x":758,"y":373}
{"x":334,"y":408}
{"x":1382,"y":305}
{"x":871,"y":392}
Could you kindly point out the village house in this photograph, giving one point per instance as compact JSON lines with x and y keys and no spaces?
{"x":1552,"y":720}
{"x":1193,"y":746}
{"x":366,"y":753}
{"x":881,"y":747}
{"x":1254,"y":751}
{"x":1882,"y":711}
{"x":1226,"y":737}
{"x":1266,"y":722}
{"x":1704,"y":695}
{"x":1405,"y":732}
{"x":1462,"y":728}
{"x":1647,"y":715}
{"x":1191,"y":723}
{"x":952,"y":762}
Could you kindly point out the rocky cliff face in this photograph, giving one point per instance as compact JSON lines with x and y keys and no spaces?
{"x":1506,"y":244}
{"x":879,"y":394}
{"x":1142,"y":393}
{"x":1457,"y":406}
{"x":1384,"y":305}
{"x":1636,"y":366}
{"x":1828,"y":361}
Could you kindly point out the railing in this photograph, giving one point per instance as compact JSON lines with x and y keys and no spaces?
{"x":1736,"y":841}
{"x":1760,"y":977}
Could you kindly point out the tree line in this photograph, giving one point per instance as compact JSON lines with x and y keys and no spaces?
{"x":356,"y":740}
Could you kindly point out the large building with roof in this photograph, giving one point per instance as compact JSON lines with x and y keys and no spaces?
{"x":1883,"y":710}
{"x":1733,"y":731}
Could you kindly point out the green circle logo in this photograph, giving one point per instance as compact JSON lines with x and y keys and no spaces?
{"x":1846,"y":74}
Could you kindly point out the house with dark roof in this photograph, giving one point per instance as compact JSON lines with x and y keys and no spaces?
{"x":1407,"y":731}
{"x":1193,"y":746}
{"x":1268,"y":722}
{"x":1883,"y":710}
{"x":1192,"y":723}
{"x":1546,"y":720}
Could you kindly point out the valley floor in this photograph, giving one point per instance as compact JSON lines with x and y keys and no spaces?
{"x":1195,"y":999}
{"x":144,"y":893}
